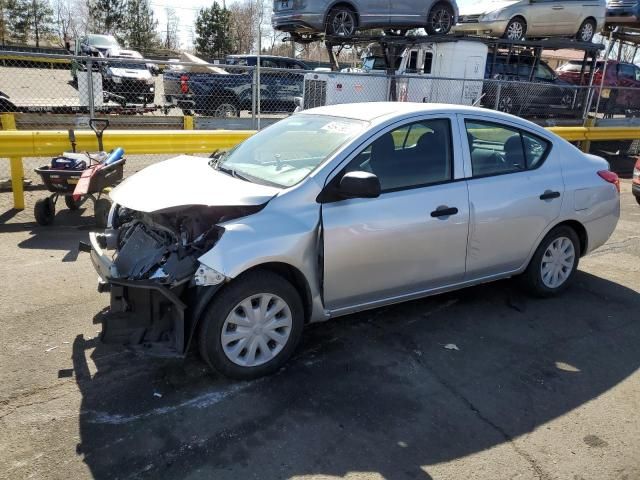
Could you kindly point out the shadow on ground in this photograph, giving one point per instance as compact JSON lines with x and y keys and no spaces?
{"x":372,"y":392}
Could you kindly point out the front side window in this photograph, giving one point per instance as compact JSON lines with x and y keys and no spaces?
{"x":289,"y":150}
{"x":410,"y":156}
{"x":626,"y":71}
{"x":496,"y":149}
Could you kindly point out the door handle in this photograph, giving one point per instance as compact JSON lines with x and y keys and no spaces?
{"x":548,"y":195}
{"x":444,"y":211}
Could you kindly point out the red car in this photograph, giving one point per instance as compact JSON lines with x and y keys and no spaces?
{"x":618,"y":74}
{"x":635,"y":186}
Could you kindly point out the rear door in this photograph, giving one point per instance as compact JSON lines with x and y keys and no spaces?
{"x":540,"y":17}
{"x":515,"y":192}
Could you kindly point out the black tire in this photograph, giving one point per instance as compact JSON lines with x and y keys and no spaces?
{"x":439,"y":19}
{"x":506,"y":104}
{"x":71,"y":203}
{"x":638,"y":200}
{"x":516,"y":25}
{"x":586,"y":31}
{"x":229,"y":298}
{"x":532,"y":276}
{"x":342,"y":22}
{"x":101,"y":212}
{"x":226,"y":109}
{"x":44,"y":211}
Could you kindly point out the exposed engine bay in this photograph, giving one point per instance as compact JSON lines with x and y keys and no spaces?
{"x":164,"y":247}
{"x":154,"y":257}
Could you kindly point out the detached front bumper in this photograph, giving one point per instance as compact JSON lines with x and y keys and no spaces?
{"x":497,"y":28}
{"x":142,"y":313}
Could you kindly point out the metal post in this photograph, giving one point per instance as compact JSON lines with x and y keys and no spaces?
{"x":17,"y":169}
{"x":258,"y":71}
{"x":92,"y":107}
{"x":498,"y":91}
{"x":604,"y":70}
{"x":254,"y":87}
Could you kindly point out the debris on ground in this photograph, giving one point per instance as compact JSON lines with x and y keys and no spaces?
{"x":156,"y":394}
{"x":51,"y":348}
{"x":451,"y":346}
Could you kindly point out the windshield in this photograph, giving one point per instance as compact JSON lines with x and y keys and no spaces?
{"x":103,"y":40}
{"x":128,"y":66}
{"x":286,"y":152}
{"x":373,"y":63}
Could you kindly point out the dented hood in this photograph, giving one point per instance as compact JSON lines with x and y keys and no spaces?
{"x":187,"y":180}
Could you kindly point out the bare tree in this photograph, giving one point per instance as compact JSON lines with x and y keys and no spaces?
{"x":171,"y":41}
{"x":244,"y":25}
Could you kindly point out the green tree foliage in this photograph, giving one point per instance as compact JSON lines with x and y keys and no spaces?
{"x":106,"y":16}
{"x":213,"y":36}
{"x":139,"y":29}
{"x":24,"y":20}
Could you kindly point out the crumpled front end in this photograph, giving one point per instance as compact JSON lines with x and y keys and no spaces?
{"x":149,"y":264}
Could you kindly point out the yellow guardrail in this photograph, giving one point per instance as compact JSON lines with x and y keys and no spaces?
{"x":17,"y":144}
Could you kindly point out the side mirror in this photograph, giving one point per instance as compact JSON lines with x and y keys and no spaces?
{"x":359,"y":185}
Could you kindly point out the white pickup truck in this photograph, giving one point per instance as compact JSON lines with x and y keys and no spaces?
{"x":435,"y":72}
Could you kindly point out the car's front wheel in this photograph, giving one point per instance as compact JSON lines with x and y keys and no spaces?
{"x":554,"y":262}
{"x":516,"y":29}
{"x":341,"y":21}
{"x":252,"y":326}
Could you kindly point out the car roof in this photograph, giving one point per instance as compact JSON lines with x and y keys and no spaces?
{"x":378,"y":112}
{"x":279,"y":57}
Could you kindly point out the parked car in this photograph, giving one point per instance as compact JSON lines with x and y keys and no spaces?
{"x":267,"y":61}
{"x":635,"y":185}
{"x":518,"y":19}
{"x":336,"y":210}
{"x":621,"y":92}
{"x":210,"y":90}
{"x":91,"y":45}
{"x":6,"y":105}
{"x":126,"y":80}
{"x":620,"y":12}
{"x":345,"y":18}
{"x":534,"y":88}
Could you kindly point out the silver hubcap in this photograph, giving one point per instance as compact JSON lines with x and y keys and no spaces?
{"x":567,"y":100}
{"x":587,"y":32}
{"x":343,"y":23}
{"x":515,"y":31}
{"x":441,"y":21}
{"x":505,"y":105}
{"x":557,"y":262}
{"x":256,"y":330}
{"x":226,"y":110}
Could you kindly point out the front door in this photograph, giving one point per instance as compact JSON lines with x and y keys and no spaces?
{"x":413,"y":236}
{"x":515,"y":193}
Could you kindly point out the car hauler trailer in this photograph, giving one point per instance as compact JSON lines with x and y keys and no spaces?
{"x":446,"y":68}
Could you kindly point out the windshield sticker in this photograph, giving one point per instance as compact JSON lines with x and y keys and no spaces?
{"x":340,"y":127}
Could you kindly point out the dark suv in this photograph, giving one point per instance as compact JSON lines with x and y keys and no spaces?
{"x":538,"y":91}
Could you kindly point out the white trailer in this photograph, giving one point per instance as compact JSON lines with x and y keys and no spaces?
{"x":443,"y":72}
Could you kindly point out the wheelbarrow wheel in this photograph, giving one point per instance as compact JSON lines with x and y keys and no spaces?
{"x":44,"y":211}
{"x":101,"y":211}
{"x":71,"y":203}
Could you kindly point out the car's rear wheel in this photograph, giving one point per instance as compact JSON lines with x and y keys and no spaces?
{"x":554,"y":262}
{"x":439,"y":19}
{"x":516,"y":29}
{"x":586,"y":31}
{"x":638,"y":200}
{"x":341,"y":21}
{"x":227,"y":109}
{"x":506,"y":104}
{"x":252,"y":326}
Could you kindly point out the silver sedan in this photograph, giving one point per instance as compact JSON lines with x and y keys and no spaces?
{"x":340,"y":209}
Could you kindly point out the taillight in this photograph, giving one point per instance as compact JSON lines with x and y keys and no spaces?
{"x":184,"y":86}
{"x":636,"y":172}
{"x":610,"y":177}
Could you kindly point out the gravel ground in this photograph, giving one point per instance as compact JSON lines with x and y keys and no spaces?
{"x":546,"y":389}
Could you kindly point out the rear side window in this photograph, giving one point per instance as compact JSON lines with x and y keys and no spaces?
{"x":626,"y":71}
{"x":497,"y":149}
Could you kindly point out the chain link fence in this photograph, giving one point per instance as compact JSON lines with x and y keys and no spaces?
{"x":53,"y":91}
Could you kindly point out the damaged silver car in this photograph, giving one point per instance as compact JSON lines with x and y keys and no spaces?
{"x":340,"y":209}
